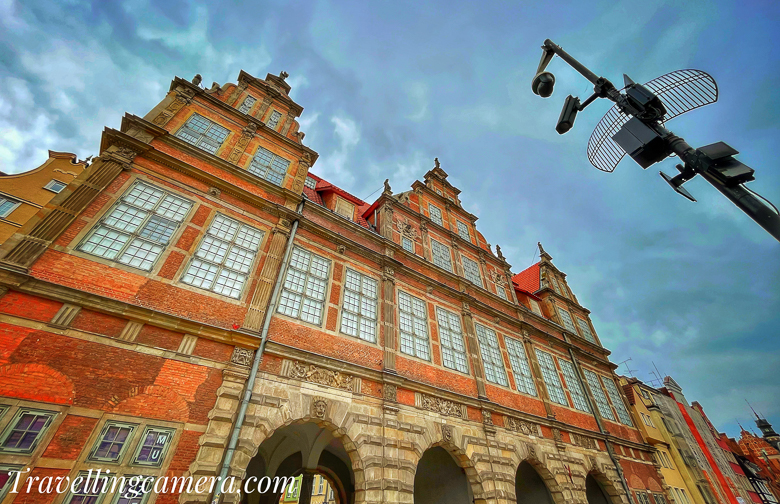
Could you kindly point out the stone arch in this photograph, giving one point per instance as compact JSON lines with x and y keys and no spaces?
{"x":606,"y":485}
{"x":36,"y":382}
{"x":545,"y":474}
{"x":154,"y":401}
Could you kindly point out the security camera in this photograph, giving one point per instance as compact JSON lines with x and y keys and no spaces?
{"x":543,"y":84}
{"x":570,"y":108}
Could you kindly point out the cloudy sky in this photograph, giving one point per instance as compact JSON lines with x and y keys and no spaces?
{"x":388,"y":86}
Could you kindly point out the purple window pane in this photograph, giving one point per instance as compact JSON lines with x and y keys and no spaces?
{"x":114,"y":451}
{"x":122,"y":435}
{"x":77,"y":499}
{"x":149,"y":438}
{"x":111,"y":433}
{"x":4,"y":477}
{"x":13,"y":439}
{"x":37,"y":426}
{"x":91,"y":499}
{"x":25,"y":421}
{"x":143,"y":455}
{"x":102,"y":452}
{"x":27,"y":440}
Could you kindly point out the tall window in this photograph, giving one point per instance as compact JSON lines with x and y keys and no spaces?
{"x":566,"y":319}
{"x":575,"y":387}
{"x":269,"y":166}
{"x":441,"y":255}
{"x":471,"y":271}
{"x":203,"y":133}
{"x":134,"y":493}
{"x":501,"y":292}
{"x":435,"y":214}
{"x":491,"y":355}
{"x":598,"y":395}
{"x":407,"y":244}
{"x":137,"y":229}
{"x":247,"y":104}
{"x":535,"y":307}
{"x":453,"y":352}
{"x":641,"y":498}
{"x":585,"y":330}
{"x":6,"y":479}
{"x":112,"y":442}
{"x":88,"y":493}
{"x":358,"y":313}
{"x":305,"y":284}
{"x":413,"y":318}
{"x":617,"y":401}
{"x":55,"y":186}
{"x":153,"y":446}
{"x":7,"y":205}
{"x":554,"y":284}
{"x":224,"y":257}
{"x":551,"y":378}
{"x":463,"y":231}
{"x":25,"y":430}
{"x":345,"y":208}
{"x":273,"y":121}
{"x":519,"y":361}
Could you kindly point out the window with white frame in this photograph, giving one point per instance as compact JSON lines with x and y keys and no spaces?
{"x":659,"y":498}
{"x":471,"y":270}
{"x":551,"y":378}
{"x":203,"y":133}
{"x":441,"y":255}
{"x":246,"y":105}
{"x":6,"y":479}
{"x":310,"y":182}
{"x":153,"y":446}
{"x":8,"y":205}
{"x":273,"y":121}
{"x":491,"y":355}
{"x":138,"y":227}
{"x":453,"y":352}
{"x":112,"y":442}
{"x":55,"y":186}
{"x":413,"y":326}
{"x":641,"y":498}
{"x":269,"y":166}
{"x":25,"y":430}
{"x":598,"y":394}
{"x":305,"y":285}
{"x":617,"y":401}
{"x":524,"y":380}
{"x":566,"y":319}
{"x":136,"y":491}
{"x":359,"y":310}
{"x":435,"y":214}
{"x":224,"y":257}
{"x":501,"y":292}
{"x":585,"y":330}
{"x":463,"y":231}
{"x":535,"y":306}
{"x":574,"y":385}
{"x":407,"y":244}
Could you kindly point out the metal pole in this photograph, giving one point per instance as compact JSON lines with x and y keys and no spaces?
{"x":551,"y":46}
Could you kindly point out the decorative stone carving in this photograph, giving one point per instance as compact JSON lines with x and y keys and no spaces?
{"x":442,"y":406}
{"x":532,"y":451}
{"x":497,"y":278}
{"x":341,"y":249}
{"x":429,"y":290}
{"x":584,"y":441}
{"x":446,"y":433}
{"x":183,"y":97}
{"x":487,"y":417}
{"x":388,"y":189}
{"x":390,"y":392}
{"x":520,"y":426}
{"x":592,"y":462}
{"x":197,"y":79}
{"x":321,"y":376}
{"x":405,"y":227}
{"x":126,"y":152}
{"x":242,"y":356}
{"x":388,"y":271}
{"x":213,"y":191}
{"x":499,"y":254}
{"x":557,"y":435}
{"x":319,"y":406}
{"x":246,"y":135}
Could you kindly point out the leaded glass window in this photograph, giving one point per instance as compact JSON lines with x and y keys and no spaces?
{"x":441,"y":255}
{"x":491,"y":355}
{"x":137,"y":229}
{"x":136,"y":491}
{"x":305,"y":285}
{"x":566,"y":319}
{"x":535,"y":307}
{"x":524,"y":380}
{"x":55,"y":186}
{"x":453,"y":352}
{"x":501,"y":292}
{"x":463,"y":231}
{"x":617,"y":401}
{"x":247,"y":104}
{"x":7,"y":205}
{"x":641,"y":498}
{"x":359,"y":311}
{"x":25,"y":430}
{"x":413,"y":326}
{"x":598,"y":395}
{"x":585,"y":330}
{"x":153,"y":446}
{"x":269,"y":166}
{"x":659,"y":498}
{"x":203,"y":133}
{"x":273,"y":121}
{"x":407,"y":244}
{"x":551,"y":378}
{"x":575,"y":387}
{"x":471,"y":271}
{"x":435,"y":214}
{"x":310,"y":182}
{"x":112,"y":442}
{"x":224,"y":257}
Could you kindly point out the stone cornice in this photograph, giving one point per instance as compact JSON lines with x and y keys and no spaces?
{"x":421,"y":186}
{"x":270,"y":91}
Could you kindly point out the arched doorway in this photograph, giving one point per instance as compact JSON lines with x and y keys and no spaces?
{"x":530,"y":487}
{"x":440,"y":480}
{"x":594,"y":492}
{"x":309,"y":453}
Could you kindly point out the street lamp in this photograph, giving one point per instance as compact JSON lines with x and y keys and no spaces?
{"x":635,"y":126}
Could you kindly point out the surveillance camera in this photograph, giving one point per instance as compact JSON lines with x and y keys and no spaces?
{"x":570,"y":108}
{"x":543,"y":84}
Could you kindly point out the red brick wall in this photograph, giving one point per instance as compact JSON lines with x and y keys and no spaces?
{"x":30,"y":307}
{"x":99,"y":323}
{"x":70,"y":438}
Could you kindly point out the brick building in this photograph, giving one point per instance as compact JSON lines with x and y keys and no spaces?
{"x":197,"y":303}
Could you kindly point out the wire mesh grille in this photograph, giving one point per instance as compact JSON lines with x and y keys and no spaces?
{"x":680,"y":91}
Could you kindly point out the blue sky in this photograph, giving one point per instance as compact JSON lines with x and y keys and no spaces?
{"x":388,"y":86}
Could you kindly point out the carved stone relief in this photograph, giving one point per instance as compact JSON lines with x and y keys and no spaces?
{"x":183,"y":97}
{"x":246,"y":135}
{"x":487,"y":417}
{"x":390,"y":392}
{"x":321,"y":376}
{"x":521,"y":426}
{"x":319,"y":406}
{"x":242,"y":356}
{"x":405,"y":227}
{"x":446,"y":433}
{"x":584,"y":441}
{"x":439,"y":405}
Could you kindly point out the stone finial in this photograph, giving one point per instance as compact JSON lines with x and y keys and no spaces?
{"x":436,"y":163}
{"x":499,"y":254}
{"x":542,"y":253}
{"x":197,"y":79}
{"x":388,"y":190}
{"x":283,"y":75}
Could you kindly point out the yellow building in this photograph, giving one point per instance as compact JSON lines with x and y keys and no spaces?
{"x":321,"y":492}
{"x":22,"y":195}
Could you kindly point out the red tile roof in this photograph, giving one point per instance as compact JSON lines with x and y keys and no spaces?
{"x":528,"y":279}
{"x":325,"y":186}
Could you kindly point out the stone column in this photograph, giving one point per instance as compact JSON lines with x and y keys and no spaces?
{"x":540,"y":385}
{"x":236,"y":94}
{"x":386,"y":220}
{"x":287,"y":123}
{"x":388,"y":318}
{"x":265,"y":284}
{"x":472,"y":347}
{"x":510,"y":286}
{"x":424,"y":239}
{"x":306,"y":486}
{"x":246,"y":135}
{"x":263,"y":108}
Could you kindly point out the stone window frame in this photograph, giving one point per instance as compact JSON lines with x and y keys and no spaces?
{"x":438,"y":254}
{"x":586,"y":330}
{"x":141,"y":444}
{"x":501,"y":292}
{"x":196,"y":138}
{"x":273,"y":120}
{"x":450,"y":327}
{"x":463,"y":228}
{"x":359,"y":317}
{"x":266,"y":164}
{"x":599,"y":395}
{"x":551,"y":377}
{"x":9,"y":408}
{"x":346,"y":207}
{"x":93,"y":457}
{"x":410,"y":242}
{"x":438,"y":216}
{"x":469,"y":275}
{"x":517,"y":354}
{"x":492,"y":358}
{"x":574,"y":385}
{"x":303,"y":294}
{"x":245,"y":108}
{"x":50,"y":186}
{"x":535,"y":306}
{"x":567,"y":321}
{"x":641,"y":497}
{"x":613,"y":394}
{"x":40,"y":437}
{"x":10,"y":204}
{"x":5,"y":469}
{"x":415,"y":337}
{"x":310,"y":183}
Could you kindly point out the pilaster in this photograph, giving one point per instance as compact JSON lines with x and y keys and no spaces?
{"x":388,"y":318}
{"x":473,"y":348}
{"x":271,"y":270}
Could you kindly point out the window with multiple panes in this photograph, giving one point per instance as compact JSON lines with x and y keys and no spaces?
{"x":585,"y":330}
{"x":359,"y":311}
{"x":500,"y":291}
{"x":642,"y":498}
{"x":345,"y":208}
{"x":463,"y":231}
{"x":554,"y":284}
{"x":471,"y":271}
{"x":617,"y":401}
{"x":153,"y":446}
{"x":413,"y":326}
{"x":310,"y":182}
{"x":435,"y":214}
{"x":659,"y":498}
{"x":441,"y":255}
{"x":524,"y":380}
{"x":87,"y":493}
{"x":246,"y":105}
{"x":551,"y":378}
{"x":273,"y":121}
{"x":203,"y":133}
{"x":491,"y":355}
{"x":25,"y":430}
{"x":136,"y":490}
{"x":567,"y":321}
{"x":453,"y":352}
{"x":7,"y":205}
{"x":224,"y":257}
{"x":269,"y":166}
{"x":305,"y":284}
{"x":598,"y":395}
{"x":574,"y":385}
{"x":407,"y":244}
{"x":535,"y":307}
{"x":6,"y":479}
{"x":112,"y":442}
{"x":55,"y":185}
{"x":138,"y":227}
